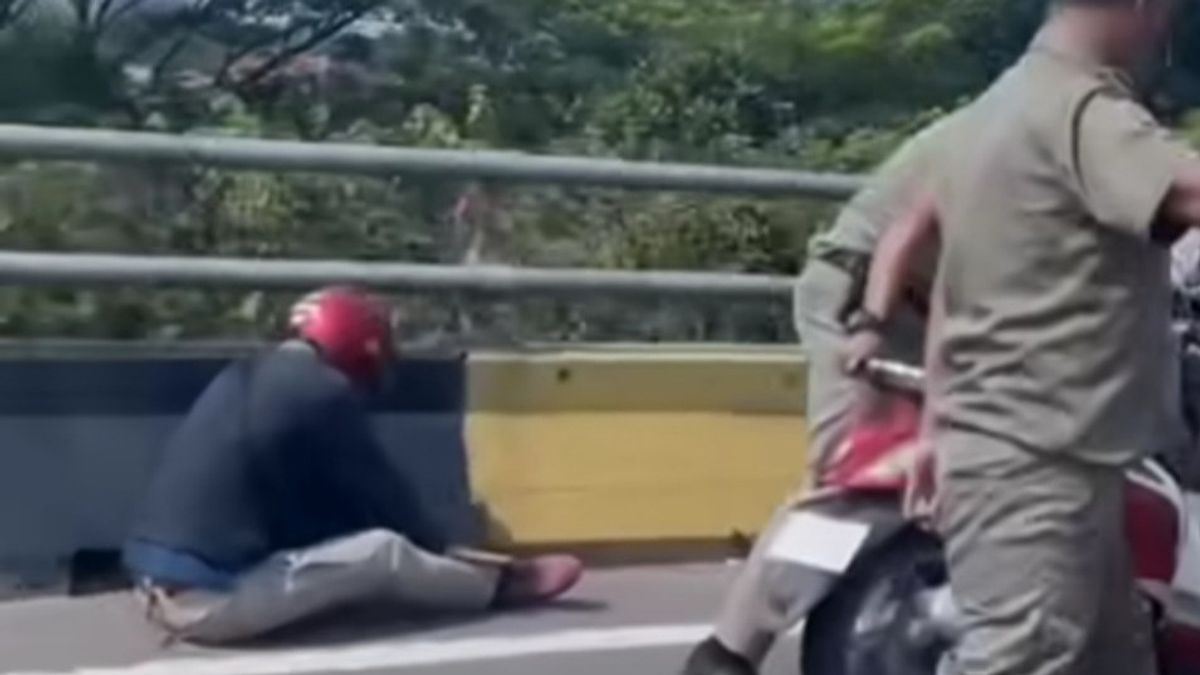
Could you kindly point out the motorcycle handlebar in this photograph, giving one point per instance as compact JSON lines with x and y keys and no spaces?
{"x":895,"y":375}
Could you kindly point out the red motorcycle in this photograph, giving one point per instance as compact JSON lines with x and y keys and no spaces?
{"x":870,"y":583}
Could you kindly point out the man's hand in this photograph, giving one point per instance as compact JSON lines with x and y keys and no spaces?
{"x":920,"y":501}
{"x":862,"y":346}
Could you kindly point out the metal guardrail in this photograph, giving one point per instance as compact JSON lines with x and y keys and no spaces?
{"x":349,"y":158}
{"x":47,"y":269}
{"x":78,"y":269}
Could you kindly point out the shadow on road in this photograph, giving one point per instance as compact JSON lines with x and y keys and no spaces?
{"x":365,"y":624}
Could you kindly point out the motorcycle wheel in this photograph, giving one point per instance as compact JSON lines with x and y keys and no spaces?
{"x":877,"y":621}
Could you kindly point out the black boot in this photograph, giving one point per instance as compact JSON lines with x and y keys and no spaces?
{"x":713,"y":658}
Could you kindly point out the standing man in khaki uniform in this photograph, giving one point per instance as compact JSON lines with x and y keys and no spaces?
{"x":838,"y":315}
{"x":1056,"y":368}
{"x":832,"y":303}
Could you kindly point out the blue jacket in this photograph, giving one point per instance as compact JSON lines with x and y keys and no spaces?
{"x":277,"y":454}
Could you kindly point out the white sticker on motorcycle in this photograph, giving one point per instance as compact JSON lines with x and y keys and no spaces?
{"x":818,"y":541}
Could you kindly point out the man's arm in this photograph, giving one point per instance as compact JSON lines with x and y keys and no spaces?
{"x":921,"y":494}
{"x":368,"y":477}
{"x":1131,"y":173}
{"x":934,"y":365}
{"x":893,"y":259}
{"x":891,"y":267}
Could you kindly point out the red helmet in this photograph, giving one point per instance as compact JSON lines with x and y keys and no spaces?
{"x":352,"y":329}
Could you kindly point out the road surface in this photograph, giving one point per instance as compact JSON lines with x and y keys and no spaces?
{"x":638,"y":620}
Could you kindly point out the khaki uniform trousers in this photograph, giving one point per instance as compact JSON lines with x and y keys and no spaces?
{"x":377,"y":566}
{"x":1039,"y":562}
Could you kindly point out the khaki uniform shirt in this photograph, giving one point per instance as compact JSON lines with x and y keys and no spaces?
{"x":1056,"y":335}
{"x":891,"y":191}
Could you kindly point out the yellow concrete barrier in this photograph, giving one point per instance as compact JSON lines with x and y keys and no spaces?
{"x":634,"y":445}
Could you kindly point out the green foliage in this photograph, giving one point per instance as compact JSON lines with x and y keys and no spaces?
{"x":819,"y":84}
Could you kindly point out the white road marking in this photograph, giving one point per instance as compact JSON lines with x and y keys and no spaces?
{"x":398,"y":654}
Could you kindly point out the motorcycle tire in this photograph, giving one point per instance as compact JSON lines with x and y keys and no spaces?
{"x":861,"y":627}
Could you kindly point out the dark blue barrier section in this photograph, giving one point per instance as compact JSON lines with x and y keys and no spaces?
{"x":117,"y":386}
{"x":79,"y":439}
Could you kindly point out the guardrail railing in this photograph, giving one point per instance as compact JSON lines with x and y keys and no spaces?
{"x":99,"y":145}
{"x":43,"y":143}
{"x":75,"y":269}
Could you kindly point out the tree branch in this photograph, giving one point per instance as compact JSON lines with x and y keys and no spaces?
{"x":190,"y":22}
{"x":167,"y":58}
{"x":145,"y":40}
{"x":12,"y":10}
{"x":81,"y":11}
{"x":102,"y":11}
{"x":222,"y":76}
{"x":128,"y":7}
{"x":319,"y":35}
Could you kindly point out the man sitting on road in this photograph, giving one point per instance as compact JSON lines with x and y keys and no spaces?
{"x":274,"y":501}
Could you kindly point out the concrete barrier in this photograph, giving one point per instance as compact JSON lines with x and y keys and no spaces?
{"x":579,"y":448}
{"x":658,"y":448}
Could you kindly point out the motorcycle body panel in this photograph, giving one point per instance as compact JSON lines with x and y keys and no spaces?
{"x":868,"y":482}
{"x":872,"y":457}
{"x":1155,"y":525}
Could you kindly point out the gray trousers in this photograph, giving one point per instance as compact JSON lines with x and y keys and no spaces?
{"x":753,"y":613}
{"x":377,"y":566}
{"x":1039,"y":562}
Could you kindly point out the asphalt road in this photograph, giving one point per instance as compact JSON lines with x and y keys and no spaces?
{"x":639,"y":621}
